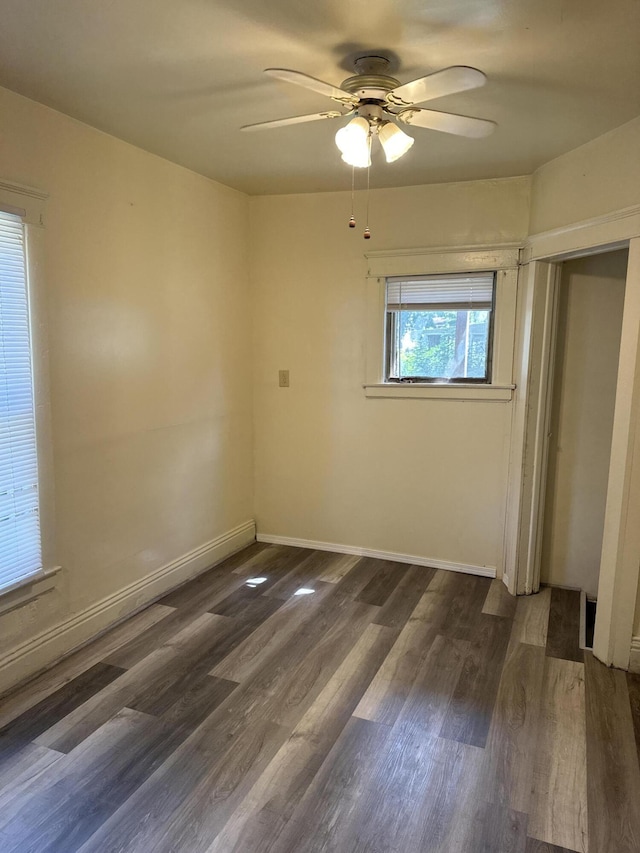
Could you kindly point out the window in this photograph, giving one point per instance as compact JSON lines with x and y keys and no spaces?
{"x":439,"y":328}
{"x":20,"y":546}
{"x":440,"y":323}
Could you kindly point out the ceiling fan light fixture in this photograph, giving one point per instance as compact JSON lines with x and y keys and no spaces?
{"x":395,"y":143}
{"x":353,"y":142}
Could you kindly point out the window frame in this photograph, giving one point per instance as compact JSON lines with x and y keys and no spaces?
{"x":389,"y":333}
{"x":29,"y":204}
{"x":501,"y":259}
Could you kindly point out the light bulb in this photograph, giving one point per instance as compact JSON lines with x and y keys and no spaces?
{"x":353,"y":142}
{"x":394,"y":141}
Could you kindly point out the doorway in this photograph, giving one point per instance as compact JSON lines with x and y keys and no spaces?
{"x":535,"y":357}
{"x":590,"y":305}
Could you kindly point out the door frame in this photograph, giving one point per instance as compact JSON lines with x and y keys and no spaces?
{"x":533,"y":363}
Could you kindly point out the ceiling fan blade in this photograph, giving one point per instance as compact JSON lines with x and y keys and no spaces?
{"x":281,"y":122}
{"x":447,"y":122}
{"x":457,"y":78}
{"x":307,"y":82}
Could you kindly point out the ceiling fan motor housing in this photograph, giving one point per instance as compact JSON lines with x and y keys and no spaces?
{"x":371,"y":82}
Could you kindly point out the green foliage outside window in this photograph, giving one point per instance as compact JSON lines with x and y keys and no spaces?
{"x":427,"y":343}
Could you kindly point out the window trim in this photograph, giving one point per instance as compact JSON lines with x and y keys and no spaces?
{"x":29,"y":203}
{"x":503,"y":259}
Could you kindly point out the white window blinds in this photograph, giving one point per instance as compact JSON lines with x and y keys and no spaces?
{"x":472,"y":291}
{"x":20,"y":551}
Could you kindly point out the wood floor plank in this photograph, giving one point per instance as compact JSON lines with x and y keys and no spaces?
{"x":558,"y":809}
{"x":41,"y":821}
{"x":20,"y":770}
{"x":182,"y":685}
{"x":180,"y":620}
{"x":403,"y":600}
{"x":198,"y":702}
{"x":293,"y":678}
{"x":275,"y":574}
{"x":242,"y":557}
{"x":469,"y":713}
{"x":70,"y":667}
{"x":511,"y":743}
{"x":535,"y":846}
{"x":392,"y":684}
{"x":197,"y":821}
{"x":612,"y":761}
{"x":386,"y":579}
{"x":247,"y":598}
{"x":495,"y":828}
{"x":434,"y":604}
{"x":304,"y":575}
{"x":271,"y":635}
{"x":531,"y":619}
{"x":189,"y":797}
{"x":205,"y":592}
{"x":147,"y":642}
{"x":154,"y":673}
{"x":465,"y":612}
{"x":77,"y":794}
{"x":237,"y":602}
{"x":360,"y":575}
{"x":260,"y":819}
{"x":403,"y":803}
{"x":563,"y":637}
{"x":54,"y":707}
{"x":408,"y":804}
{"x":499,"y":601}
{"x":321,"y":821}
{"x":339,"y":566}
{"x":427,"y":704}
{"x":144,"y":744}
{"x":633,"y":686}
{"x":202,"y":593}
{"x":274,"y":560}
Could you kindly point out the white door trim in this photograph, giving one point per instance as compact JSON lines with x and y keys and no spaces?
{"x":620,"y":561}
{"x":530,"y":429}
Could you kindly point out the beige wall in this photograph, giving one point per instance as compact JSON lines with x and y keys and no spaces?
{"x":151,"y":371}
{"x":419,"y":477}
{"x":148,"y":304}
{"x":588,"y":345}
{"x":597,"y":178}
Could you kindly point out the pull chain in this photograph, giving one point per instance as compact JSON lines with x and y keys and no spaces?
{"x":352,"y":219}
{"x":367,"y":230}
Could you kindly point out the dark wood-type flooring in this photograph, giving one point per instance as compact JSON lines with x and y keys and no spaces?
{"x":298,"y":701}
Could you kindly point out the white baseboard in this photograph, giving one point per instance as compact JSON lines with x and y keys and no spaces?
{"x":634,"y":657}
{"x":272,"y":539}
{"x":43,"y":650}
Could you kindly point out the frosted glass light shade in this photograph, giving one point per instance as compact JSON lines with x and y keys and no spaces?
{"x":394,"y":141}
{"x":353,"y":142}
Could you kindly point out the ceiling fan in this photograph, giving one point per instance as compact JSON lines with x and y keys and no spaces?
{"x":378,"y":100}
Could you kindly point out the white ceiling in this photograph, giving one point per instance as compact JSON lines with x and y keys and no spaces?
{"x":179,"y":77}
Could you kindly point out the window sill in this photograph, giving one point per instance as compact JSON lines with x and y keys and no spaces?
{"x":441,"y":391}
{"x":27,"y":589}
